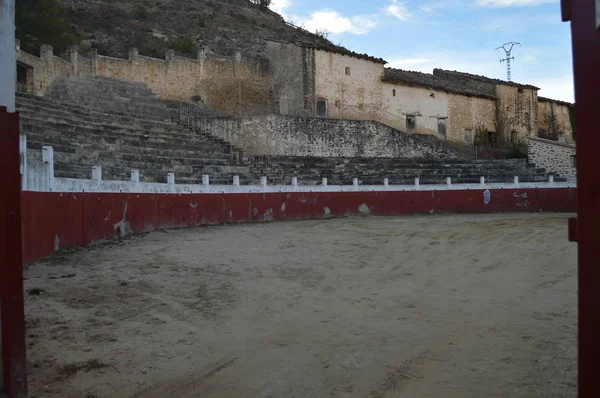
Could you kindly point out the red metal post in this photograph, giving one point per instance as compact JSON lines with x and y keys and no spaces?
{"x":585,"y":19}
{"x":11,"y":268}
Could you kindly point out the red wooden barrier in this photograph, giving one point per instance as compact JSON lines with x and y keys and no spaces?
{"x":55,"y":220}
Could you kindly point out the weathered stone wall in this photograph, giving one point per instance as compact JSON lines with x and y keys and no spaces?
{"x":555,"y":157}
{"x":353,"y":96}
{"x":561,"y":112}
{"x":520,"y":109}
{"x":466,"y":114}
{"x":293,"y":78}
{"x":297,"y":136}
{"x":218,"y":80}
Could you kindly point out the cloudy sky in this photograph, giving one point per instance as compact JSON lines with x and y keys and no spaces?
{"x":451,"y":34}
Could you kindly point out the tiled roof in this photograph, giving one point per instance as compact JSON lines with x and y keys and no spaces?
{"x":544,"y":99}
{"x":344,"y":51}
{"x":428,"y":80}
{"x":462,"y":76}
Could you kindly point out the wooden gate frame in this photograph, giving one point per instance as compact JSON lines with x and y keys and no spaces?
{"x":585,"y":229}
{"x":14,"y":369}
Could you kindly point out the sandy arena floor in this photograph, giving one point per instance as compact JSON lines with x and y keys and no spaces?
{"x":422,"y":306}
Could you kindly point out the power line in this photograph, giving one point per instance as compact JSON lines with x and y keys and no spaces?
{"x":507,"y":47}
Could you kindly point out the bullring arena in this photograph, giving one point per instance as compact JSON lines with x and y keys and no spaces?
{"x":172,"y":251}
{"x":408,"y":306}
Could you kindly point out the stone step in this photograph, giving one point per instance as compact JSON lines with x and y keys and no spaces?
{"x":160,"y":176}
{"x":108,"y":134}
{"x":108,"y":81}
{"x":64,"y":144}
{"x":24,"y":98}
{"x":40,"y":113}
{"x":63,"y":160}
{"x":81,"y":84}
{"x":77,"y":92}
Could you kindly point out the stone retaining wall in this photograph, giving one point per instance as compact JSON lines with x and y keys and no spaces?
{"x":554,"y":156}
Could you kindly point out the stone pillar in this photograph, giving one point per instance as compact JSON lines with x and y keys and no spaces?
{"x":133,"y":54}
{"x":74,"y":60}
{"x":170,"y":55}
{"x":97,"y":173}
{"x":46,"y":53}
{"x":94,"y":57}
{"x":48,"y":158}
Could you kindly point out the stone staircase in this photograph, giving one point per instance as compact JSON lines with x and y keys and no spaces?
{"x":84,"y":135}
{"x":111,"y":96}
{"x":372,"y":171}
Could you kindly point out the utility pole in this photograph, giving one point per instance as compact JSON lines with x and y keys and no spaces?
{"x":507,"y":47}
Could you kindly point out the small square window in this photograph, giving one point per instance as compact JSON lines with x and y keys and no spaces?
{"x":393,"y":92}
{"x":347,"y":71}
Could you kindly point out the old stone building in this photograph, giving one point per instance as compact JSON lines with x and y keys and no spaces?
{"x":329,"y":83}
{"x":554,"y":119}
{"x":321,"y":82}
{"x":431,"y":105}
{"x":324,"y":82}
{"x":516,"y":104}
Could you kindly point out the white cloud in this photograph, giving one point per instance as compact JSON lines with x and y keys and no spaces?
{"x":397,"y":10}
{"x":529,"y":59}
{"x":560,"y":88}
{"x":512,"y":3}
{"x":420,"y":64}
{"x":335,"y":23}
{"x":280,"y":7}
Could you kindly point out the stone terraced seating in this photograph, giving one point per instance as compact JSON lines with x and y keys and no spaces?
{"x":110,"y":95}
{"x":341,"y":171}
{"x":82,"y":137}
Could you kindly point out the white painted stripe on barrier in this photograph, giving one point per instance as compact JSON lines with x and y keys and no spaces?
{"x":80,"y":185}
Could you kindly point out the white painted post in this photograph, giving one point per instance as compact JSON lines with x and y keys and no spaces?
{"x":8,"y":61}
{"x":448,"y":180}
{"x":23,"y":153}
{"x":482,"y":180}
{"x":171,"y":178}
{"x":386,"y":182}
{"x":355,"y":182}
{"x":324,"y":182}
{"x":205,"y":180}
{"x":263,"y":181}
{"x":97,"y":173}
{"x":48,"y":158}
{"x":295,"y":181}
{"x":517,"y":180}
{"x":551,"y":179}
{"x":236,"y":181}
{"x":417,"y":181}
{"x":135,"y":175}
